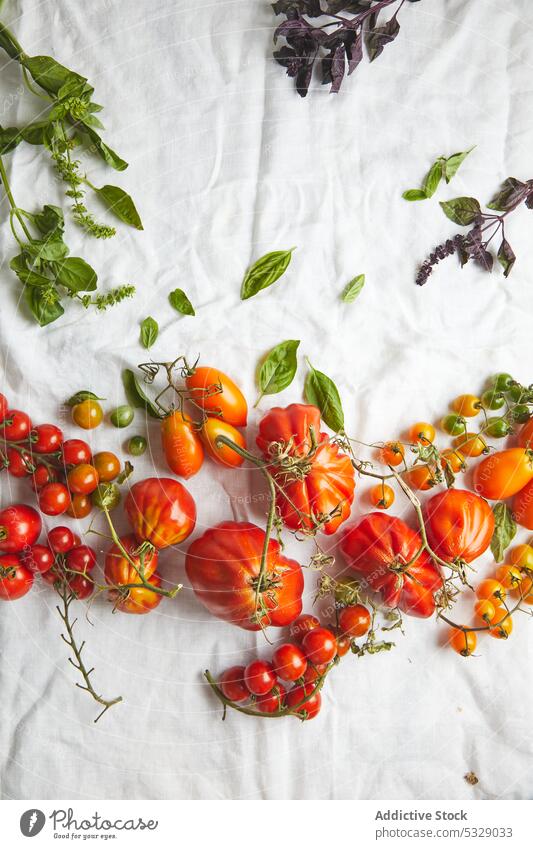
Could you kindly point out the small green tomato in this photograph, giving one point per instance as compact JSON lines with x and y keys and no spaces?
{"x":137,"y":445}
{"x":122,"y":416}
{"x":492,"y":400}
{"x":497,"y":428}
{"x":516,"y":393}
{"x":521,"y":413}
{"x":453,"y":424}
{"x":501,"y":382}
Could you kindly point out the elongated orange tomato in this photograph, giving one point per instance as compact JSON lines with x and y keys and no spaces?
{"x":224,"y":454}
{"x":217,"y":395}
{"x":182,"y":445}
{"x":525,"y":437}
{"x":523,"y":506}
{"x":504,"y":473}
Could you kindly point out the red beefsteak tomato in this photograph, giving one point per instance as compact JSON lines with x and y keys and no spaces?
{"x":317,"y":478}
{"x":161,"y":511}
{"x":378,"y":547}
{"x":223,"y":567}
{"x":459,"y":524}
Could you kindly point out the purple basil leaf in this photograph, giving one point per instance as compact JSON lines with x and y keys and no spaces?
{"x":309,"y":7}
{"x":484,"y":259}
{"x":510,"y":193}
{"x":378,"y":38}
{"x":303,"y":79}
{"x":529,"y":201}
{"x":289,"y":58}
{"x":291,"y":28}
{"x":338,"y":66}
{"x":355,"y":53}
{"x":506,"y":257}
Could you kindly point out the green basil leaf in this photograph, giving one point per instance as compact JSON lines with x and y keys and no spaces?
{"x":9,"y":43}
{"x":120,"y":204}
{"x":264,"y":272}
{"x":136,"y":396}
{"x":149,"y":331}
{"x":353,"y":289}
{"x":414,"y":194}
{"x":321,"y":391}
{"x":433,"y":178}
{"x":278,"y":368}
{"x":34,"y":133}
{"x":78,"y":87}
{"x":126,"y":473}
{"x":47,"y":250}
{"x":75,"y":274}
{"x":83,"y":395}
{"x":10,"y":137}
{"x":50,"y":220}
{"x":179,"y":300}
{"x":44,"y":304}
{"x":462,"y":210}
{"x":26,"y":275}
{"x":453,"y":163}
{"x":105,"y":152}
{"x":504,"y":530}
{"x":49,"y":74}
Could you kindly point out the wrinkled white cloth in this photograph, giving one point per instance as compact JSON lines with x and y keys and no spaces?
{"x":226,"y":163}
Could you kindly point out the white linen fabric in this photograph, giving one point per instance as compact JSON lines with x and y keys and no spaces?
{"x":227,"y":163}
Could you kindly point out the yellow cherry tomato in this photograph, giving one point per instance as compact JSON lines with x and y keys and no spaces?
{"x":466,"y":405}
{"x":422,"y":432}
{"x":485,"y":610}
{"x":521,"y":556}
{"x":392,"y":453}
{"x":87,"y":414}
{"x":454,"y":459}
{"x":382,"y":496}
{"x":463,"y":642}
{"x":501,"y":626}
{"x":509,"y":576}
{"x":492,"y":590}
{"x":470,"y":444}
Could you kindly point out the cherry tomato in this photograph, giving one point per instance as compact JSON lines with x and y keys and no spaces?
{"x":20,"y":526}
{"x":259,"y":677}
{"x":15,"y":579}
{"x":107,"y":466}
{"x":521,"y":556}
{"x":306,"y":622}
{"x":81,"y":586}
{"x":504,"y":473}
{"x":232,"y":684}
{"x":54,"y":499}
{"x":344,"y":644}
{"x":454,"y":459}
{"x":392,"y":453}
{"x":419,"y":477}
{"x":509,"y":576}
{"x":422,"y":432}
{"x":355,"y":620}
{"x":41,"y":476}
{"x":20,"y":463}
{"x":492,"y":399}
{"x":463,"y":642}
{"x":470,"y":444}
{"x":502,"y":382}
{"x":122,"y":416}
{"x":82,"y":558}
{"x":319,"y":645}
{"x":87,"y":414}
{"x":17,"y":426}
{"x":218,"y":395}
{"x":517,"y":393}
{"x":453,"y":424}
{"x":525,"y":436}
{"x":213,"y":428}
{"x":491,"y":590}
{"x":497,"y":427}
{"x":4,"y":407}
{"x":82,"y":479}
{"x":485,"y":610}
{"x":137,"y":445}
{"x":382,"y":496}
{"x":289,"y":662}
{"x":61,"y":539}
{"x":311,"y":705}
{"x":273,"y":701}
{"x":525,"y":590}
{"x":182,"y":446}
{"x":521,"y":413}
{"x":38,"y":558}
{"x":48,"y":439}
{"x":467,"y":405}
{"x":137,"y":600}
{"x":313,"y":672}
{"x":75,"y":452}
{"x":80,"y":506}
{"x":502,"y":625}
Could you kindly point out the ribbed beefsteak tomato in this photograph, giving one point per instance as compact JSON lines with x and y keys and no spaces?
{"x":223,"y":567}
{"x":459,"y":524}
{"x":317,"y":479}
{"x":161,"y":511}
{"x":378,"y":547}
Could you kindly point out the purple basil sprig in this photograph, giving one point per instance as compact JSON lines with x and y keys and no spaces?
{"x":486,"y":226}
{"x":337,"y":44}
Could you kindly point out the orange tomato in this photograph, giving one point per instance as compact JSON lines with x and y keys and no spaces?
{"x":87,"y":414}
{"x":521,"y":556}
{"x":470,"y":444}
{"x":525,"y":435}
{"x":466,"y":405}
{"x":422,"y":432}
{"x":525,"y":590}
{"x":503,"y":473}
{"x":137,"y":600}
{"x":523,"y":506}
{"x":419,"y":477}
{"x":382,"y":496}
{"x":182,"y":445}
{"x":502,"y":625}
{"x":392,"y":453}
{"x":492,"y":590}
{"x":485,"y":610}
{"x":213,"y":428}
{"x":107,"y":465}
{"x":454,"y":459}
{"x":217,"y":395}
{"x":80,"y":506}
{"x":463,"y":642}
{"x":509,"y":576}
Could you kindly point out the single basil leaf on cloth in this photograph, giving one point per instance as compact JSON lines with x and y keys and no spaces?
{"x":453,"y":163}
{"x":353,"y":289}
{"x":10,"y":137}
{"x":44,"y":304}
{"x":83,"y":395}
{"x":378,"y":37}
{"x":462,"y":210}
{"x":433,"y":178}
{"x":99,"y":147}
{"x":278,"y":368}
{"x":414,"y":194}
{"x":264,"y":272}
{"x":321,"y":391}
{"x":506,"y":257}
{"x":510,"y":193}
{"x":49,"y":74}
{"x":179,"y":300}
{"x":120,"y":204}
{"x":75,"y":274}
{"x":149,"y":331}
{"x":136,"y":396}
{"x":504,"y":530}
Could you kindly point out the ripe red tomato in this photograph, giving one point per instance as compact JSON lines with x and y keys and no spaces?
{"x":182,"y":445}
{"x":54,"y":499}
{"x":223,"y":567}
{"x":15,"y":579}
{"x":504,"y":473}
{"x":355,"y":620}
{"x":232,"y":684}
{"x":137,"y":600}
{"x":46,"y":439}
{"x":311,"y":701}
{"x":525,"y":435}
{"x":523,"y":506}
{"x":120,"y":570}
{"x":313,"y":672}
{"x":82,"y":558}
{"x":319,"y":489}
{"x":20,"y":463}
{"x":223,"y":454}
{"x":17,"y":426}
{"x":459,"y":524}
{"x":81,"y":586}
{"x":82,"y":479}
{"x":4,"y":407}
{"x":38,"y":558}
{"x":377,"y":546}
{"x":107,"y":466}
{"x":161,"y":511}
{"x":344,"y":644}
{"x":259,"y":677}
{"x":273,"y":701}
{"x":41,"y":476}
{"x":20,"y":526}
{"x":218,"y":395}
{"x":75,"y":452}
{"x":289,"y":662}
{"x":319,"y":645}
{"x":61,"y":539}
{"x":80,"y":506}
{"x":306,"y":622}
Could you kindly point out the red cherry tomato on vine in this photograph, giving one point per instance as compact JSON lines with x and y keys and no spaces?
{"x":4,"y":407}
{"x":20,"y":463}
{"x":82,"y":479}
{"x":15,"y":579}
{"x":107,"y":466}
{"x":182,"y":445}
{"x":224,"y":454}
{"x":218,"y":395}
{"x":38,"y":558}
{"x":313,"y":672}
{"x":355,"y":620}
{"x":61,"y":539}
{"x":81,"y":586}
{"x":289,"y":662}
{"x":273,"y":701}
{"x":344,"y":644}
{"x":259,"y":677}
{"x":48,"y":439}
{"x":54,"y":499}
{"x":310,"y":708}
{"x":17,"y":426}
{"x":319,"y":645}
{"x":306,"y":622}
{"x":20,"y":526}
{"x":41,"y":476}
{"x":80,"y":506}
{"x":81,"y":558}
{"x":232,"y":684}
{"x":75,"y":452}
